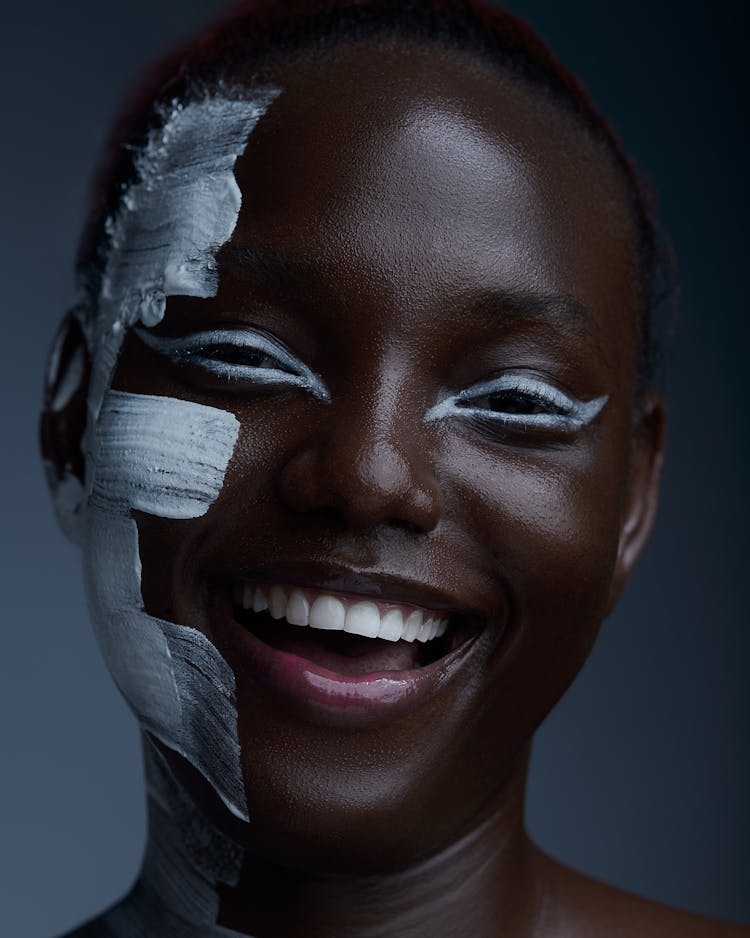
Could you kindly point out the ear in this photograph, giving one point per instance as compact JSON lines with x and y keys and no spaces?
{"x":63,"y":422}
{"x":647,"y":457}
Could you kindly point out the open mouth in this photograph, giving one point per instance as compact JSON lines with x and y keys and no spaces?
{"x":349,"y":635}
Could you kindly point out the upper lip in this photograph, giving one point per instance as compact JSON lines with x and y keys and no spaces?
{"x":378,"y":586}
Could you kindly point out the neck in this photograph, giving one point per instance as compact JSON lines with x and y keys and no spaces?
{"x":196,"y":881}
{"x":188,"y":860}
{"x":480,"y":885}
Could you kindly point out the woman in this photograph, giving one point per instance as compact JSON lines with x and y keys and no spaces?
{"x":353,"y":425}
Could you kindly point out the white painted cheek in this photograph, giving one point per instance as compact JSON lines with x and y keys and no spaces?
{"x":160,"y":455}
{"x":167,"y":457}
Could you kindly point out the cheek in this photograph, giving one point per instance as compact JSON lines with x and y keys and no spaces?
{"x":162,"y":458}
{"x":244,"y":515}
{"x":547,"y":529}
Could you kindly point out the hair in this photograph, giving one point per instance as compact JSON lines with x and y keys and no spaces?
{"x":241,"y":48}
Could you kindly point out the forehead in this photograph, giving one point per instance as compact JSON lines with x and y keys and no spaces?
{"x":418,"y":170}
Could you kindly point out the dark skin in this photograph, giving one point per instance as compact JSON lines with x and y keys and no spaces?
{"x":425,"y":224}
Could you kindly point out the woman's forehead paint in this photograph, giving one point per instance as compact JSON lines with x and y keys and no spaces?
{"x":171,"y":222}
{"x":162,"y":241}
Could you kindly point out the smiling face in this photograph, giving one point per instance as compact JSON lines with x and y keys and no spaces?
{"x":426,"y":328}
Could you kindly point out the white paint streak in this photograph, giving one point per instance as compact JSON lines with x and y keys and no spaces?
{"x":175,"y":454}
{"x":184,"y":206}
{"x":187,"y":859}
{"x":166,"y":457}
{"x":64,"y":382}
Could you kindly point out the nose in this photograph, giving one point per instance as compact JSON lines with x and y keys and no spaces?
{"x":366,"y":464}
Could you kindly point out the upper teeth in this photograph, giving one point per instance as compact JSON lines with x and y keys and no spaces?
{"x":391,"y":621}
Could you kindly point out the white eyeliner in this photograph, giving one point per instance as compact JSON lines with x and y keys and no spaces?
{"x":575,"y":414}
{"x":188,"y":349}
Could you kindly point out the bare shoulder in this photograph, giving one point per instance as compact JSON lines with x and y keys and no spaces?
{"x":580,"y":906}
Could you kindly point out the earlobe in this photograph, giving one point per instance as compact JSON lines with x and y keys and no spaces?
{"x":63,"y":422}
{"x":643,"y":492}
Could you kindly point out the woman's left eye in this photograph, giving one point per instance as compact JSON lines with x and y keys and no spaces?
{"x":519,"y":402}
{"x":238,"y":356}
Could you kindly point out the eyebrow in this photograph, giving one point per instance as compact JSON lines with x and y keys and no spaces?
{"x":564,"y":312}
{"x":264,"y":265}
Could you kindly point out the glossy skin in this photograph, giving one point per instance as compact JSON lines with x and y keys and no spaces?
{"x":417,"y":202}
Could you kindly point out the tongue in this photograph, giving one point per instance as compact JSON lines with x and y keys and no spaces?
{"x":340,"y":652}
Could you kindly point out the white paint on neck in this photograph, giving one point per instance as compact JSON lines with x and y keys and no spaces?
{"x":187,"y":860}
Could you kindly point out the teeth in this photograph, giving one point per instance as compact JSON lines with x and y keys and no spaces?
{"x":363,"y":619}
{"x":412,"y":626}
{"x":260,"y":603}
{"x":298,"y":609}
{"x":426,"y":631}
{"x":392,"y":625}
{"x":277,"y":602}
{"x":325,"y":611}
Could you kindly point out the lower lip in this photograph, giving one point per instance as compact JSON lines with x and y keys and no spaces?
{"x":313,"y":690}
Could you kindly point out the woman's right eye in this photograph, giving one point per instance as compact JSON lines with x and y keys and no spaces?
{"x":240,"y":356}
{"x":235,"y":355}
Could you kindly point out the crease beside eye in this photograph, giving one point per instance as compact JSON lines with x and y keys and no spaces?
{"x":203,"y":350}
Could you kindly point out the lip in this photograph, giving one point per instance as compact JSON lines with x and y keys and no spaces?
{"x":316,"y":693}
{"x":313,"y":693}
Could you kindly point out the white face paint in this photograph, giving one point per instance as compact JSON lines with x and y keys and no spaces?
{"x":183,"y":207}
{"x":160,"y":455}
{"x":167,"y":457}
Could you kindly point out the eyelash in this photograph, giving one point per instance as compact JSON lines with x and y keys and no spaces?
{"x":214,"y":350}
{"x":531,"y":403}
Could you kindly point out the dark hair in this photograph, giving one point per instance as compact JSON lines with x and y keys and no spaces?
{"x":241,"y":48}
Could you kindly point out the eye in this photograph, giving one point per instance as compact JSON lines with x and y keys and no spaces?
{"x":521,"y":403}
{"x":238,"y":357}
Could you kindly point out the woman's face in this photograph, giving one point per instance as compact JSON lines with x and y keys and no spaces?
{"x":447,"y":263}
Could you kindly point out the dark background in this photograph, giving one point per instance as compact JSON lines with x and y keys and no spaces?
{"x":642,"y":775}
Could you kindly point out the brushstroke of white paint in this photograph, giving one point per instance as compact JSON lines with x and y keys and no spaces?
{"x":146,"y":433}
{"x":168,"y":458}
{"x":64,"y":382}
{"x":164,"y":238}
{"x":163,"y":241}
{"x":179,"y":840}
{"x":172,"y":676}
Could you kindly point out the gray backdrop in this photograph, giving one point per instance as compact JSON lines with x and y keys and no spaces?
{"x":642,"y":775}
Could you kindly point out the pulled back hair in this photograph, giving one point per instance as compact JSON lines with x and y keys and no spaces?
{"x":240,"y":49}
